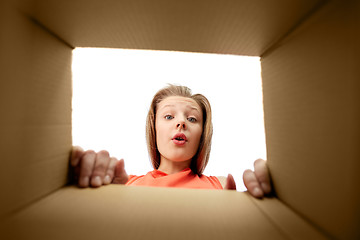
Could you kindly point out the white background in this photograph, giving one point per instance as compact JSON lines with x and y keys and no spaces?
{"x":113,"y":88}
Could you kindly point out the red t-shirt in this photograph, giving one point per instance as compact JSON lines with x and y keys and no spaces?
{"x":184,"y":179}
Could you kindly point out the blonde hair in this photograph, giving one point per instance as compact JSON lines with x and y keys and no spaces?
{"x":201,"y":158}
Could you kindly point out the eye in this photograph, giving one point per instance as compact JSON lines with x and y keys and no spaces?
{"x":168,"y":117}
{"x":191,"y":119}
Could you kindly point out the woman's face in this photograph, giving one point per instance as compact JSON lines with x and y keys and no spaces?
{"x":178,"y":126}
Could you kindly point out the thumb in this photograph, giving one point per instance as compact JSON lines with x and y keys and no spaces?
{"x":120,"y":176}
{"x":230,"y":183}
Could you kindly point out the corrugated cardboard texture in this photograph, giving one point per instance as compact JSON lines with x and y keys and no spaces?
{"x":312,"y":103}
{"x":35,"y":104}
{"x":246,"y":27}
{"x":121,"y":212}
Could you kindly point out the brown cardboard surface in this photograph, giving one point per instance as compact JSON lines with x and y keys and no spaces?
{"x":289,"y":222}
{"x":121,"y":212}
{"x":311,"y":97}
{"x":312,"y":103}
{"x":246,"y":27}
{"x":35,"y":104}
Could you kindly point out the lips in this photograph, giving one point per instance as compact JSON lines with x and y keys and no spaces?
{"x":179,"y":139}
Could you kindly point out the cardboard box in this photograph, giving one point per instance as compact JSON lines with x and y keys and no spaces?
{"x":309,"y":52}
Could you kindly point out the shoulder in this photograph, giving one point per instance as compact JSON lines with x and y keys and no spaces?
{"x":133,"y":178}
{"x":214,"y":181}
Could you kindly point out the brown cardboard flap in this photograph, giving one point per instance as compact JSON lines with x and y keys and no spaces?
{"x":121,"y":212}
{"x":312,"y":115}
{"x":228,"y":27}
{"x":35,"y":105}
{"x":288,"y":222}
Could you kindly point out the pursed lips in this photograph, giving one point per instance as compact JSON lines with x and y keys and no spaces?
{"x":179,"y":139}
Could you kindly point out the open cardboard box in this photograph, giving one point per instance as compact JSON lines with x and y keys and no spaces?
{"x":309,"y":53}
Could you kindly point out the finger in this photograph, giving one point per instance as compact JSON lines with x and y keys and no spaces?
{"x":76,"y":154}
{"x":86,"y":168}
{"x":262,"y":175}
{"x":121,"y":176}
{"x":76,"y":172}
{"x":101,"y":164}
{"x":230,"y":183}
{"x":252,"y":184}
{"x":110,"y":172}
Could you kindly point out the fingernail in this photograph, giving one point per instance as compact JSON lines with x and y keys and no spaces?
{"x":84,"y":182}
{"x":257,"y":192}
{"x":96,"y":181}
{"x":107,"y":179}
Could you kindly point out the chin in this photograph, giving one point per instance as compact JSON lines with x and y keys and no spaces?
{"x":179,"y":158}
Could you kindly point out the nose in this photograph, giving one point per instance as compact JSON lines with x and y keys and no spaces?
{"x":181,"y":125}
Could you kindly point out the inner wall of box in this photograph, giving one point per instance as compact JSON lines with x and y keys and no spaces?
{"x":36,"y":106}
{"x":311,"y":108}
{"x":311,"y":104}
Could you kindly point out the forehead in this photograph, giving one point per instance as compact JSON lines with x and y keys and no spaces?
{"x":178,"y":101}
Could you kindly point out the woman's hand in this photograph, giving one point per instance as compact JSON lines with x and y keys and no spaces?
{"x":257,"y":182}
{"x":96,"y":168}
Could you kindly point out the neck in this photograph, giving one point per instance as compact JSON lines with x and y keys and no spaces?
{"x":170,"y":167}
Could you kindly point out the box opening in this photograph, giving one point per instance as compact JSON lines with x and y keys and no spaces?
{"x":113,"y":88}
